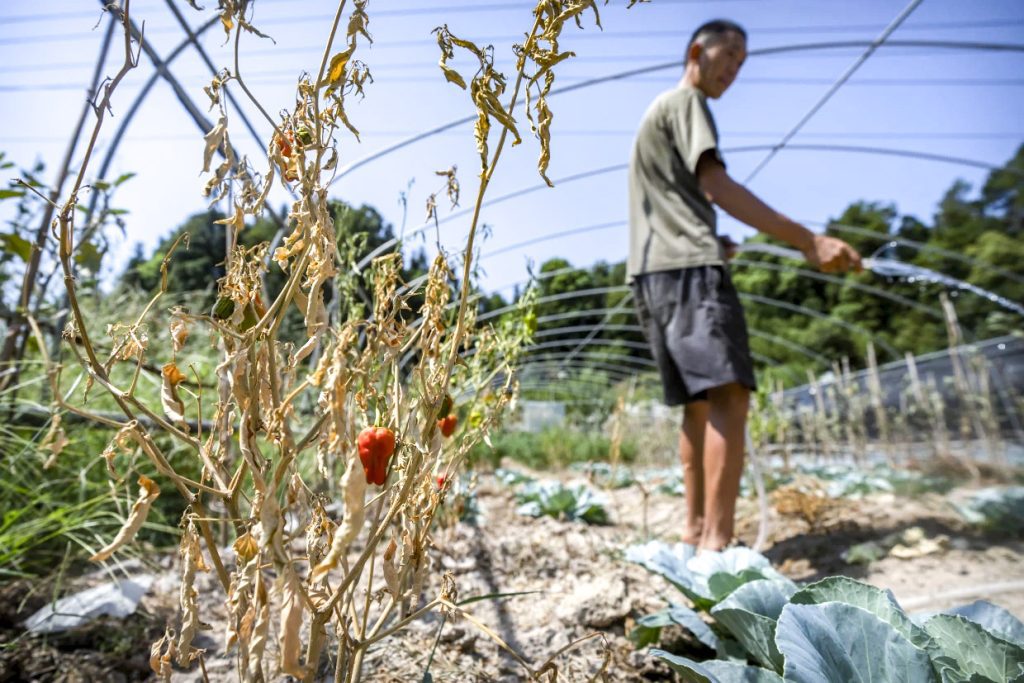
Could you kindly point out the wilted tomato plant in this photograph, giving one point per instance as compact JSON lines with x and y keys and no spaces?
{"x":363,"y":400}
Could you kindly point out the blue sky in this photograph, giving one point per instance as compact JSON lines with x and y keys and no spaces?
{"x":952,"y":102}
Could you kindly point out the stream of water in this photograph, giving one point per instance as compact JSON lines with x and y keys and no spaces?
{"x":898,"y":269}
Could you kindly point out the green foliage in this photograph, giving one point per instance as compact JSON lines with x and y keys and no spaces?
{"x":198,"y":262}
{"x":837,"y":629}
{"x":552,"y":448}
{"x":988,"y":227}
{"x":555,"y":499}
{"x":606,"y":476}
{"x":65,"y":507}
{"x":198,"y":265}
{"x":996,"y":509}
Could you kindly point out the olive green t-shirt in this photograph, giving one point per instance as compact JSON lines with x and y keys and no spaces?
{"x":671,"y":223}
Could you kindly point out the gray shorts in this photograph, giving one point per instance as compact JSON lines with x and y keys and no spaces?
{"x":693,"y":320}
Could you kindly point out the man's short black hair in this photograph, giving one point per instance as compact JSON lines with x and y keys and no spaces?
{"x":714,"y":30}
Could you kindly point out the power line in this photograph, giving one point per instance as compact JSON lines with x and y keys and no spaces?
{"x":900,"y":18}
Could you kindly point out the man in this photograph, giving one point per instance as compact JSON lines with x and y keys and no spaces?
{"x":685,"y":299}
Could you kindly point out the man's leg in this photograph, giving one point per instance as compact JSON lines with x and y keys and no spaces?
{"x":723,"y":462}
{"x":691,"y":452}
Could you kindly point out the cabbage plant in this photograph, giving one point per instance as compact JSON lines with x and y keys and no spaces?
{"x":767,"y":629}
{"x":555,"y":499}
{"x":998,"y":509}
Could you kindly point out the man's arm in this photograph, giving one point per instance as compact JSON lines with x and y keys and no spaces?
{"x":827,"y":254}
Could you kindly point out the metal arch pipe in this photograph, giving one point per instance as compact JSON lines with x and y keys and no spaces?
{"x":553,"y":236}
{"x":889,"y":151}
{"x":161,"y":72}
{"x":597,"y":366}
{"x":555,"y":317}
{"x":754,"y":332}
{"x":789,"y":344}
{"x":869,"y":289}
{"x":834,"y":88}
{"x":639,"y":346}
{"x":140,"y":98}
{"x":768,"y":301}
{"x":870,"y":149}
{"x":551,"y":332}
{"x":855,"y":230}
{"x":573,"y":372}
{"x":490,"y":202}
{"x":647,"y":363}
{"x":556,"y":297}
{"x":193,"y":38}
{"x":803,"y":310}
{"x":594,"y":385}
{"x":617,"y":342}
{"x":616,"y":357}
{"x":596,"y":330}
{"x":622,"y":75}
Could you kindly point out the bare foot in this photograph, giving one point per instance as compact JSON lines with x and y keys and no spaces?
{"x":693,"y":530}
{"x":713,"y":544}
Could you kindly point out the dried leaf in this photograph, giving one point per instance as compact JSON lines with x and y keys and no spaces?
{"x":452,"y":76}
{"x":227,"y":21}
{"x":118,"y":443}
{"x":214,"y":139}
{"x":431,"y":208}
{"x":390,"y":569}
{"x":260,"y":626}
{"x":353,"y":485}
{"x":237,"y":220}
{"x":245,"y":547}
{"x":160,"y":654}
{"x":336,"y":70}
{"x":292,"y":609}
{"x":130,"y":341}
{"x":451,"y":184}
{"x":179,"y":332}
{"x":332,"y":161}
{"x":54,"y":441}
{"x":172,"y":404}
{"x":543,"y":129}
{"x":148,"y":492}
{"x":191,"y":561}
{"x":358,"y":22}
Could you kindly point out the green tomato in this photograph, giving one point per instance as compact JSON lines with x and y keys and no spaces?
{"x":223,"y":309}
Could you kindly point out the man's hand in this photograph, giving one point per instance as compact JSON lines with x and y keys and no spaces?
{"x":831,"y":255}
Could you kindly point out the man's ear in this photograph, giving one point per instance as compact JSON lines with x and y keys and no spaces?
{"x":693,"y":54}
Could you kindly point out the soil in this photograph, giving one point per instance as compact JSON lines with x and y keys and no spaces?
{"x":576,"y":598}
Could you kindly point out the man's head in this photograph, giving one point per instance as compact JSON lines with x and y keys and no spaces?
{"x":714,"y":56}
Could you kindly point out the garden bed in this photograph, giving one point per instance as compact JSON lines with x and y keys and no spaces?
{"x":563,"y":581}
